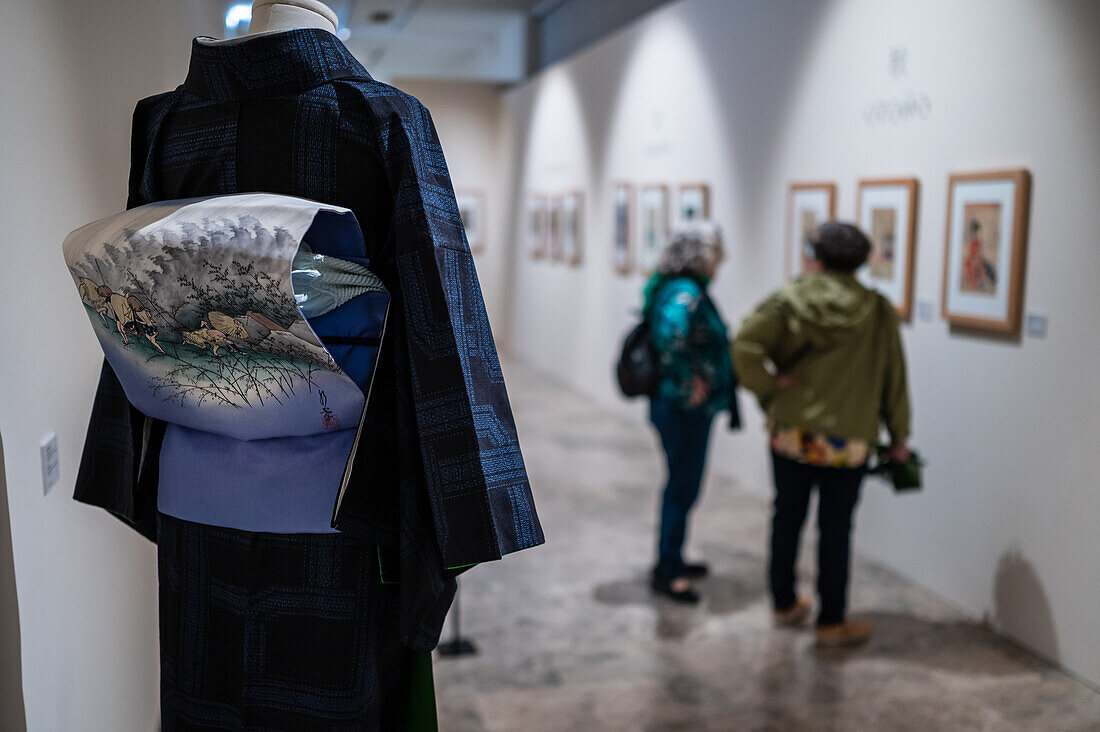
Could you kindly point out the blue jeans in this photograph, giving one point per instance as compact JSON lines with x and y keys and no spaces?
{"x":684,"y":437}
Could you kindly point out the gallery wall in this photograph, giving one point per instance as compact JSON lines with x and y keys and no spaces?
{"x":70,"y":74}
{"x":750,"y":96}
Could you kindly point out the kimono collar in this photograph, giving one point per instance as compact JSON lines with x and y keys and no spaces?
{"x":267,"y":65}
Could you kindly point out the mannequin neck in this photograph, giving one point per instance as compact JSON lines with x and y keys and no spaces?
{"x":274,"y":16}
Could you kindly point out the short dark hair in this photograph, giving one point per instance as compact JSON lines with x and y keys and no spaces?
{"x":842,"y":247}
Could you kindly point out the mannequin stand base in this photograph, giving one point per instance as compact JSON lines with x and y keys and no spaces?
{"x":457,"y":647}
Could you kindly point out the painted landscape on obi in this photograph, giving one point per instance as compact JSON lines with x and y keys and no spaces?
{"x":199,"y":322}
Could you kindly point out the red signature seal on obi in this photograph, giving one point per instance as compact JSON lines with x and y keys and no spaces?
{"x":328,"y":418}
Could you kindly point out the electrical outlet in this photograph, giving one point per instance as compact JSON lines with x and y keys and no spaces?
{"x":51,"y":462}
{"x":925,"y":311}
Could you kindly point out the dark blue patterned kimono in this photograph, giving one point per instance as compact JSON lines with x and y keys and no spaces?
{"x":438,"y":482}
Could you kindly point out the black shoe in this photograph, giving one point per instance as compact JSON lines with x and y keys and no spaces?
{"x":696,"y":571}
{"x":663,"y":586}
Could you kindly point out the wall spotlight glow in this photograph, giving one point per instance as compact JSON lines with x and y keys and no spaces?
{"x":237,"y":14}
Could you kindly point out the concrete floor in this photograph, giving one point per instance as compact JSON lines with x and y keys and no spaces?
{"x":571,"y":639}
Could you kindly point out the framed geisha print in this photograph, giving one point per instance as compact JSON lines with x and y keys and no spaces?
{"x":471,"y":207}
{"x":655,"y":226}
{"x":537,"y":225}
{"x":886,"y":210}
{"x":985,"y":254}
{"x":808,"y":206}
{"x":557,"y":242}
{"x":622,"y":253}
{"x":572,"y":228}
{"x":694,"y":202}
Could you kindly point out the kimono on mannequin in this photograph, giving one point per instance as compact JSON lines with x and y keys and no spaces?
{"x":437,"y":482}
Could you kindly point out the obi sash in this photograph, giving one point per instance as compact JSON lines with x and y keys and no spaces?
{"x":194,"y":306}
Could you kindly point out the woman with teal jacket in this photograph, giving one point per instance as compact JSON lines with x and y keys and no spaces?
{"x":697,"y":382}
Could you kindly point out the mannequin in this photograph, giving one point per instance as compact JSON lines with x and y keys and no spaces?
{"x":273,"y":16}
{"x":330,"y":625}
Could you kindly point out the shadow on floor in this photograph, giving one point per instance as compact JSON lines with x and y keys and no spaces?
{"x":731,"y":590}
{"x":952,"y":646}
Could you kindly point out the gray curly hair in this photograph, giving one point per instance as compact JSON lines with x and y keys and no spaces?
{"x":695,"y":248}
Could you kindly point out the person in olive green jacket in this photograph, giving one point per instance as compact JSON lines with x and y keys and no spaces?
{"x":824,"y":357}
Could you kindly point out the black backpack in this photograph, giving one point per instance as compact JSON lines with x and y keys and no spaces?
{"x":639,"y":367}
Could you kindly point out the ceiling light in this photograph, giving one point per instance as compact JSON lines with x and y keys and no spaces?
{"x":237,"y":14}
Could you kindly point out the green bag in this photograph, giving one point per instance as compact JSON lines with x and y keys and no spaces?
{"x":905,"y":476}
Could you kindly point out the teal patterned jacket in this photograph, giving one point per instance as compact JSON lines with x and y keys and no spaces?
{"x":691,"y":337}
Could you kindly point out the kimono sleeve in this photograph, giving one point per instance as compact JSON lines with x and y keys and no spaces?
{"x":119,"y":465}
{"x":476,"y":481}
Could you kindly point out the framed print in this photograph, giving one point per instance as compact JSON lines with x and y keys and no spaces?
{"x":694,"y":201}
{"x":471,"y":206}
{"x":557,"y":250}
{"x":986,"y":250}
{"x":808,"y":206}
{"x":886,"y":210}
{"x":537,"y":225}
{"x":623,"y":251}
{"x":573,"y":228}
{"x":655,"y":226}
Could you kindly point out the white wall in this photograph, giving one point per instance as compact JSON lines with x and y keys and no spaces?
{"x":751,"y":95}
{"x":70,"y":74}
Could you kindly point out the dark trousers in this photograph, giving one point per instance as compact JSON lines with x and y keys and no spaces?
{"x":838,"y":493}
{"x":684,"y":437}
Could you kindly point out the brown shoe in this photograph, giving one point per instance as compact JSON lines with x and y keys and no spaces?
{"x":848,"y":633}
{"x":793,"y":616}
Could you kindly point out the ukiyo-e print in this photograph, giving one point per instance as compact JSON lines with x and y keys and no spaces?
{"x":986,"y":250}
{"x":196,"y":313}
{"x":808,"y":206}
{"x":808,"y":221}
{"x":655,"y":226}
{"x":887,"y":211}
{"x":572,"y":228}
{"x":623,"y":212}
{"x":694,"y":201}
{"x":883,"y":234}
{"x":980,"y":253}
{"x":471,"y":208}
{"x":538,"y":225}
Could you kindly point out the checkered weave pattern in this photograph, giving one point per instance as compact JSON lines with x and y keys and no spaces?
{"x":275,"y":631}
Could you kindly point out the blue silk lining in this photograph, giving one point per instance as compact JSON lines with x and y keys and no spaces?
{"x":282,"y":485}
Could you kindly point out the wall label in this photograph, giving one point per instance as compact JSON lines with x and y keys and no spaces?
{"x":910,"y":106}
{"x":51,"y":462}
{"x":1036,"y":325}
{"x":913,"y":107}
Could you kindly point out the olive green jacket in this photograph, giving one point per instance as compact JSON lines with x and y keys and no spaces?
{"x":841,"y":341}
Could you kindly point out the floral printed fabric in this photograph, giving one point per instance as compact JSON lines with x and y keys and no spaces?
{"x":816,"y":449}
{"x":692,"y":339}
